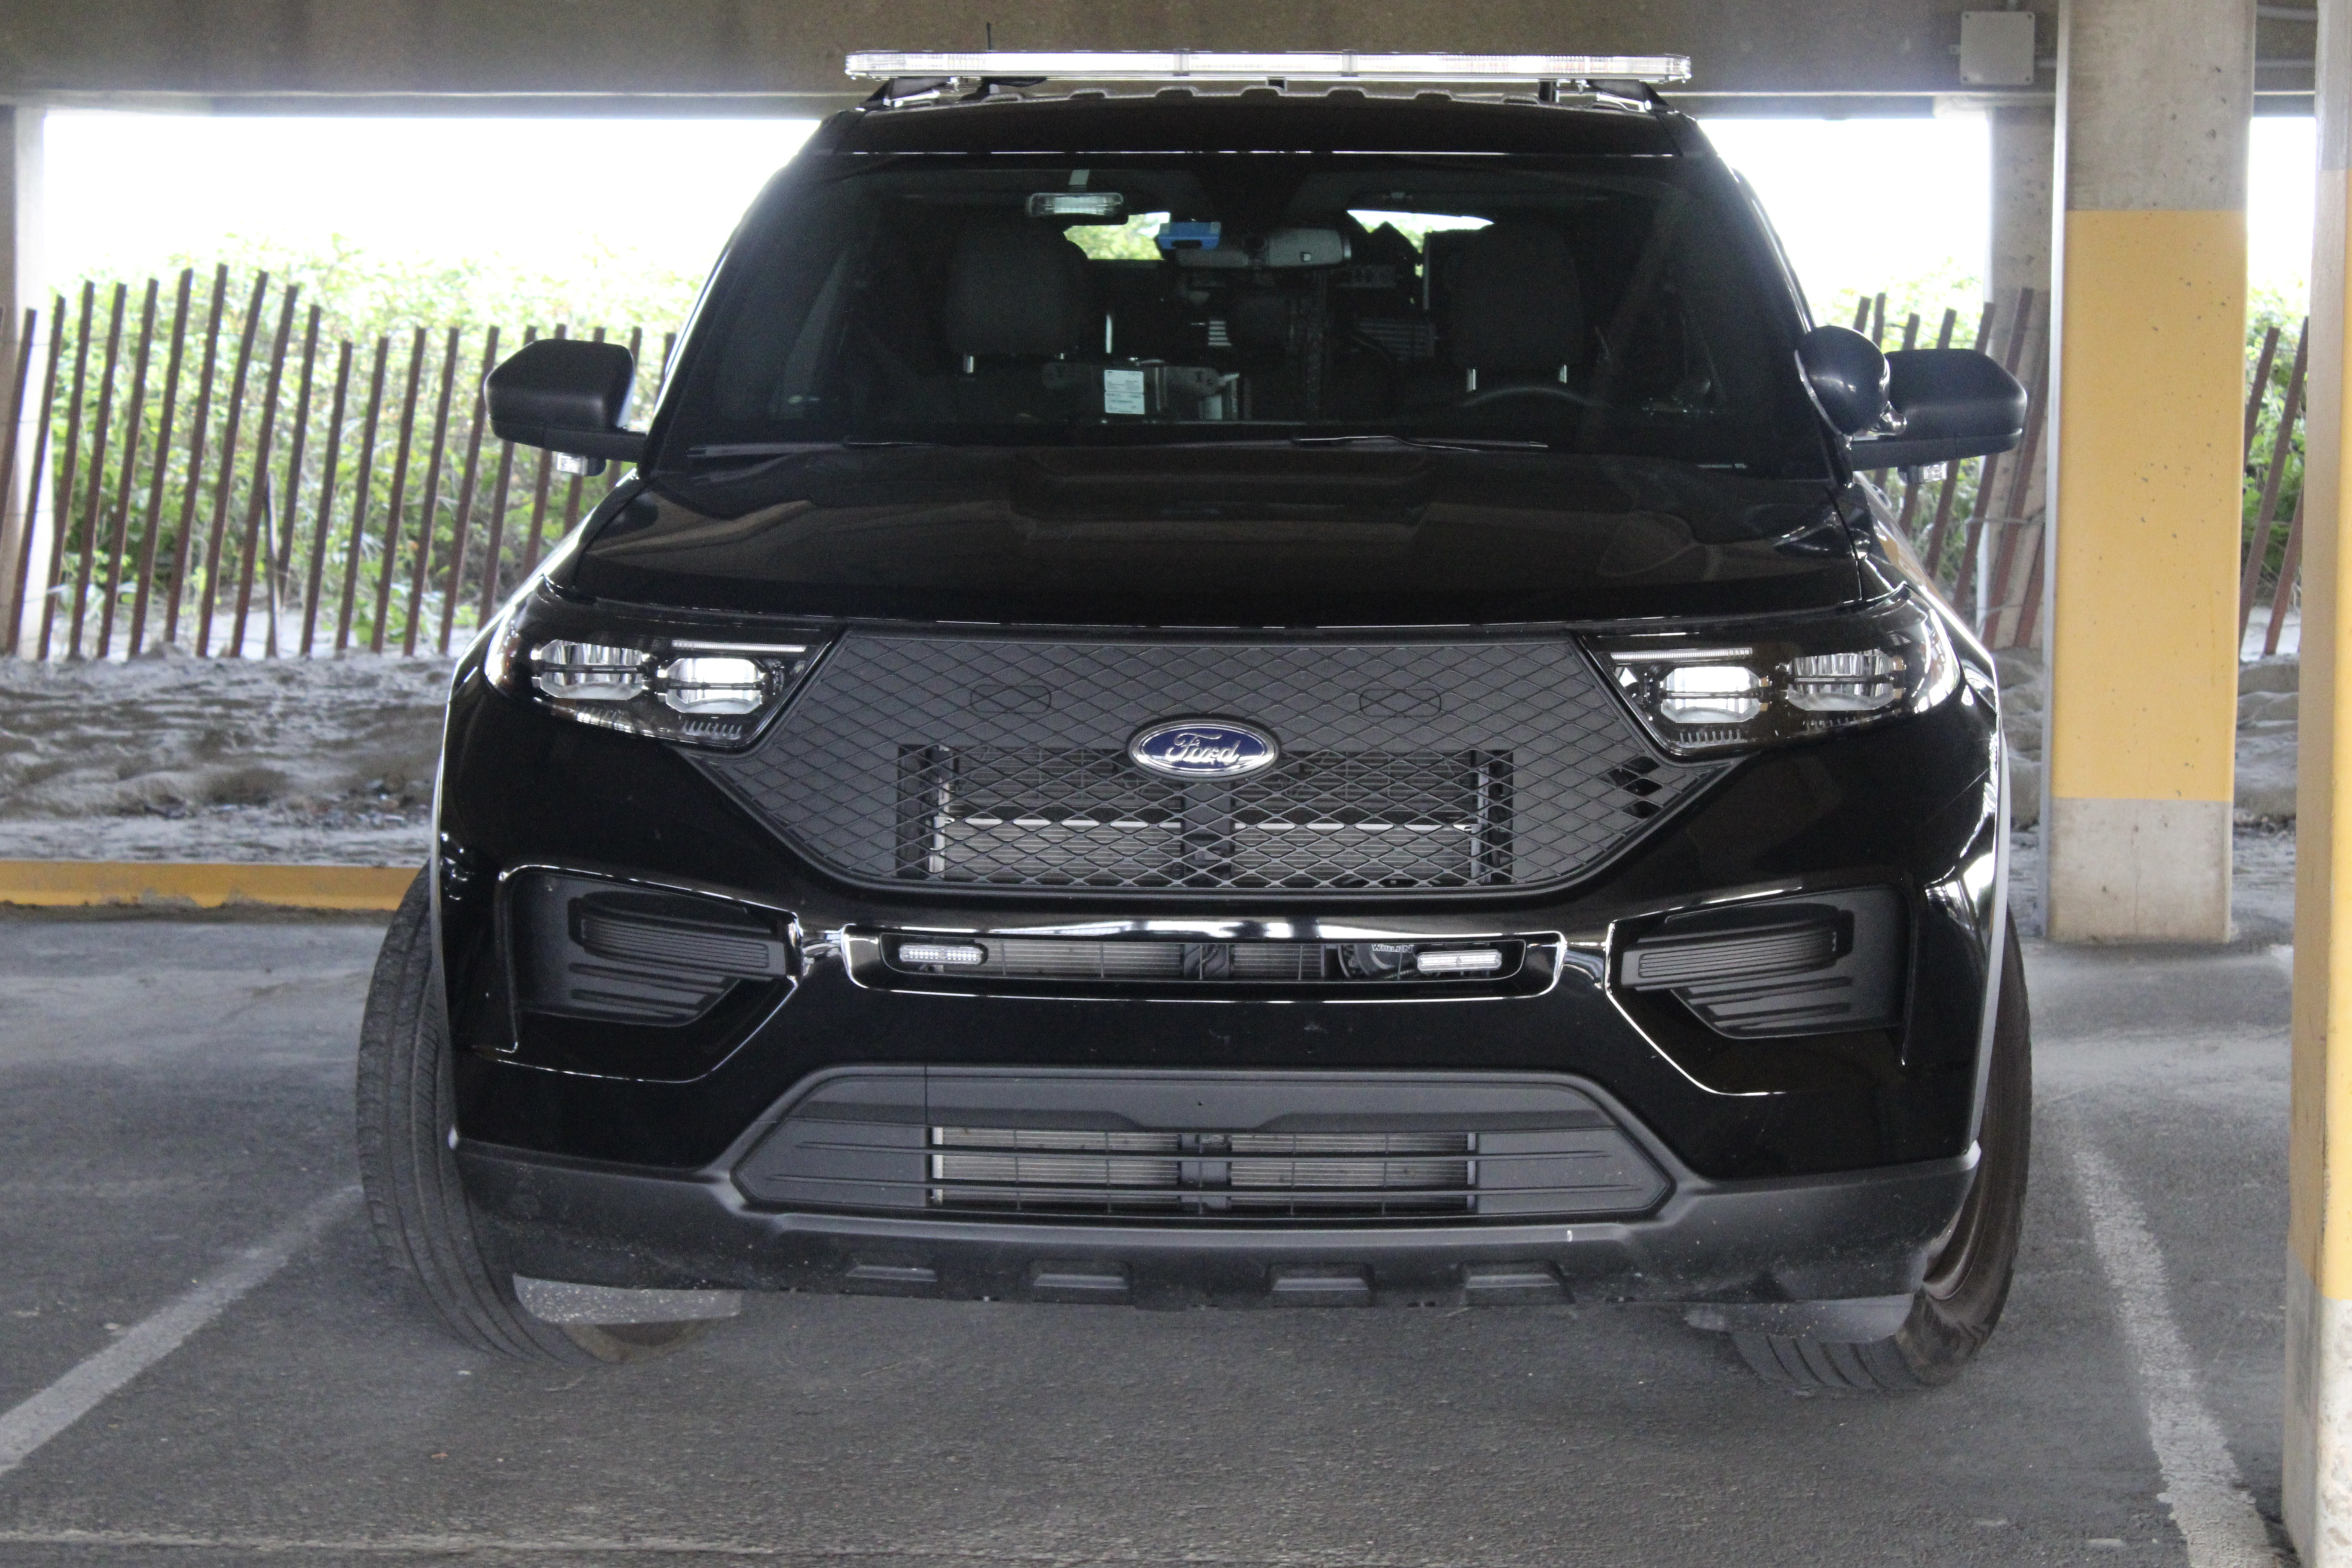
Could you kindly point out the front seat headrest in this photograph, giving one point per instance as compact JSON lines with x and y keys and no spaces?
{"x":1017,"y":288}
{"x":1516,"y":304}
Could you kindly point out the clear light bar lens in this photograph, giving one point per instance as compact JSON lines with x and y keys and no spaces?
{"x":589,"y":672}
{"x":1460,"y":961}
{"x":1220,"y":65}
{"x":953,"y":954}
{"x":1711,"y":694}
{"x":706,"y":684}
{"x":1861,"y":682}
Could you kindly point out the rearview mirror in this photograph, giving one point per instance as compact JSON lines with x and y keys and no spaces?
{"x":1947,"y":404}
{"x":1847,"y":376}
{"x":568,"y":395}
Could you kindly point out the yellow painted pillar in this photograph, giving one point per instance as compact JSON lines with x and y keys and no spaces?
{"x":2318,"y":1498}
{"x":2154,"y":99}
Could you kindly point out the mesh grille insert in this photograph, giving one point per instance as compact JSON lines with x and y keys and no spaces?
{"x":1406,"y":766}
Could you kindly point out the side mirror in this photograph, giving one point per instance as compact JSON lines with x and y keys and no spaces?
{"x":1847,"y":376}
{"x":1948,"y":403}
{"x":568,"y":395}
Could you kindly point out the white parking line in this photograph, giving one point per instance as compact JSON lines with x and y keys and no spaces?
{"x":41,"y":1417}
{"x":2209,"y":1502}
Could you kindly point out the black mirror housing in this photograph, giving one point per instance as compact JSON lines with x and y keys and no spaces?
{"x":1847,"y":376}
{"x":568,"y":395}
{"x":1948,"y":403}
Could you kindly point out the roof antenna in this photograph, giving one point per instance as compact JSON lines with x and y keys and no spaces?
{"x":991,"y":30}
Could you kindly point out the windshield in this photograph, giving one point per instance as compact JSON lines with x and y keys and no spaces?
{"x":1610,"y":305}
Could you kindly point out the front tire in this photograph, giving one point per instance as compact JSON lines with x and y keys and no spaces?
{"x":1958,"y":1304}
{"x":422,"y":1220}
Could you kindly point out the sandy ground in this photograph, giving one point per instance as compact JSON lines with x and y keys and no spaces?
{"x":172,"y":758}
{"x":2265,"y":748}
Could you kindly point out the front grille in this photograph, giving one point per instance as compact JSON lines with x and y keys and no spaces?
{"x":1193,"y":1147}
{"x":1405,"y":767}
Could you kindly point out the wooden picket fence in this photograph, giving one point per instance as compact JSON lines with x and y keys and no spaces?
{"x":1983,"y":519}
{"x":211,"y":475}
{"x":189,"y":473}
{"x":2284,"y":444}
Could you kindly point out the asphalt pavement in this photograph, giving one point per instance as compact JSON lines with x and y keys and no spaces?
{"x":174,"y":1093}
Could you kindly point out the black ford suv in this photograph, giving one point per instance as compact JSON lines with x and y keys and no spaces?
{"x":1258,"y":693}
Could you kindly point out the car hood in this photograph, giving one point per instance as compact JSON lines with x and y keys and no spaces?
{"x":1209,"y":536}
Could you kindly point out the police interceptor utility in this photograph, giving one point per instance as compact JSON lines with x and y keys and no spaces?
{"x":1252,"y":679}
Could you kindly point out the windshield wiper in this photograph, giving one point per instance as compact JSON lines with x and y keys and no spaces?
{"x":753,"y":451}
{"x":1434,"y":443}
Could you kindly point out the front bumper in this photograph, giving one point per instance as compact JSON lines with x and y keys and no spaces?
{"x":1798,"y":1169}
{"x":1809,"y":1238}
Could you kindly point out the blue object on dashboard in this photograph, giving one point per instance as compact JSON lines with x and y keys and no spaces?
{"x":1189,"y":235}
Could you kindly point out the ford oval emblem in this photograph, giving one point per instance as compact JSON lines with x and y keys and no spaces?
{"x":1203,"y":749}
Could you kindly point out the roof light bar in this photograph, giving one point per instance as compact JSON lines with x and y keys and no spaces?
{"x":1188,"y":65}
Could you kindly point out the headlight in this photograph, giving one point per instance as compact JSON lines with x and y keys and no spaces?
{"x":697,"y":685}
{"x":1705,"y":693}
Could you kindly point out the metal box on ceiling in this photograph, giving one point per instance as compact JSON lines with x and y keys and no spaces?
{"x":1997,"y":49}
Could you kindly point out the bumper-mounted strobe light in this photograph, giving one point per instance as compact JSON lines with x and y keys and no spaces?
{"x":1460,"y":961}
{"x":947,"y":955}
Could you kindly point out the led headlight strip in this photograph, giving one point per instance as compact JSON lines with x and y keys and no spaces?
{"x":646,"y":680}
{"x":1702,"y":693}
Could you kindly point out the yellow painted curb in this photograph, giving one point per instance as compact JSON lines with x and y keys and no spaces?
{"x":59,"y":883}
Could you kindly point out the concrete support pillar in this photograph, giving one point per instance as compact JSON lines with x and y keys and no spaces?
{"x":22,"y":277}
{"x":2317,"y":1457}
{"x":2154,"y":101}
{"x":21,"y":202}
{"x":2024,"y":175}
{"x":2025,"y":178}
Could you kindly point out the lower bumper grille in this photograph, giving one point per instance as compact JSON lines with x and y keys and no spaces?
{"x":1200,"y":1146}
{"x":1172,"y":1172}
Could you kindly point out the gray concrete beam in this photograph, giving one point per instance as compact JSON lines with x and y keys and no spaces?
{"x":790,"y":57}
